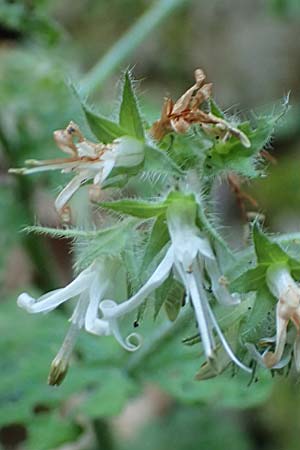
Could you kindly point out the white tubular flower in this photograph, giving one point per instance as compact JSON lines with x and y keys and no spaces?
{"x":92,"y":285}
{"x":286,"y":290}
{"x":89,"y":160}
{"x":189,"y":255}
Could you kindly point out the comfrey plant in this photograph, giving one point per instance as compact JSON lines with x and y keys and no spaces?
{"x":164,"y":246}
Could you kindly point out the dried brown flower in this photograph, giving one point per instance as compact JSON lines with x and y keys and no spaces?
{"x":179,"y":116}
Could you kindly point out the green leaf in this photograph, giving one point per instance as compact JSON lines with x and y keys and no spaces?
{"x":261,"y":322}
{"x":210,"y":370}
{"x":146,"y":209}
{"x":104,"y":129}
{"x":159,"y":162}
{"x":92,"y":244}
{"x":171,"y":295}
{"x":178,"y":196}
{"x":223,"y":391}
{"x":186,"y":150}
{"x":130,"y":118}
{"x":135,"y":208}
{"x":267,"y":252}
{"x":174,"y":300}
{"x":50,"y":430}
{"x":272,"y":252}
{"x":25,"y":360}
{"x":110,"y":395}
{"x":191,"y":427}
{"x":233,"y":156}
{"x":250,"y":280}
{"x":109,"y":241}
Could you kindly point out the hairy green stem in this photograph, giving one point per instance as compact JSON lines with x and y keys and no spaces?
{"x":162,"y":335}
{"x":128,"y":42}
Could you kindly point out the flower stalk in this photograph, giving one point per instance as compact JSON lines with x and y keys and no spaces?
{"x":153,"y":17}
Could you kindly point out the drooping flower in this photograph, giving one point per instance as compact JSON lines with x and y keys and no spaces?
{"x":287,"y":292}
{"x":89,"y":160}
{"x":91,"y":286}
{"x":179,"y":116}
{"x":189,"y":257}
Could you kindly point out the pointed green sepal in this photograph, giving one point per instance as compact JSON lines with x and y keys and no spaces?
{"x":230,"y":321}
{"x":231,"y":155}
{"x":249,"y":280}
{"x":260,"y":322}
{"x":267,"y":252}
{"x":136,"y":208}
{"x":108,"y":241}
{"x":215,"y":109}
{"x":104,"y":129}
{"x":159,"y":236}
{"x":129,"y":116}
{"x":147,"y":209}
{"x":159,"y":162}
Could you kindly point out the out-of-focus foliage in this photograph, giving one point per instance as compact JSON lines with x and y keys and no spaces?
{"x":34,"y":102}
{"x":27,"y":19}
{"x":102,"y":375}
{"x":191,"y":428}
{"x":25,"y":364}
{"x":286,"y":8}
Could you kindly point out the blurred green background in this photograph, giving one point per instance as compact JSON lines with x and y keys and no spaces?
{"x":250,"y":50}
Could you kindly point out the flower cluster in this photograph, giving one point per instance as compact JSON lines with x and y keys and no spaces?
{"x":179,"y":240}
{"x":189,"y":257}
